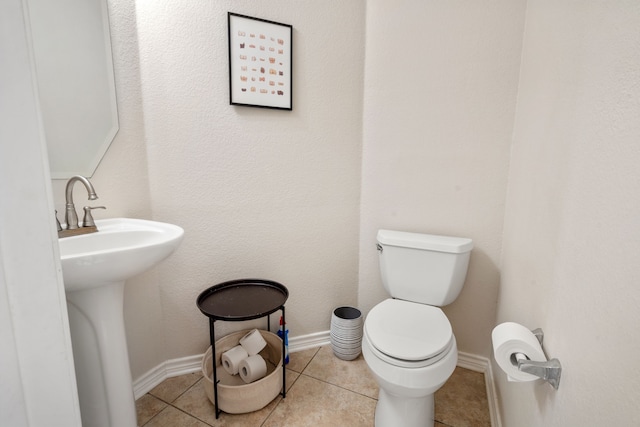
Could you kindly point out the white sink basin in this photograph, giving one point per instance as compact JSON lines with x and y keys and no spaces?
{"x":122,"y":248}
{"x":95,"y":267}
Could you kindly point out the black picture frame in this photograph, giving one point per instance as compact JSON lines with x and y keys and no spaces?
{"x":260,"y":63}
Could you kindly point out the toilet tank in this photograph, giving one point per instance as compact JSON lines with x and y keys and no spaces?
{"x":423,"y":268}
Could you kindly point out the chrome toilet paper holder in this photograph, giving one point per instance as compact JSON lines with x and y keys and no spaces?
{"x":549,"y":371}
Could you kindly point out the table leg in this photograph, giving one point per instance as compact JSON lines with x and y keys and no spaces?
{"x":212,"y":337}
{"x":284,"y":369}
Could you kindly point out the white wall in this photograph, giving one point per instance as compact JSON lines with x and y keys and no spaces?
{"x":260,"y":193}
{"x":122,"y":184}
{"x":572,"y":235}
{"x":275,"y":194}
{"x":440,"y":91}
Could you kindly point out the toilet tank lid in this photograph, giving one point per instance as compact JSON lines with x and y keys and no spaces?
{"x":432,"y":242}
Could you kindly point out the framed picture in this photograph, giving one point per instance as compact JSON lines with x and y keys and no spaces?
{"x":260,"y":65}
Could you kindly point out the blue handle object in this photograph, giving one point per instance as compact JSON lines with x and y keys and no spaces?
{"x":286,"y":344}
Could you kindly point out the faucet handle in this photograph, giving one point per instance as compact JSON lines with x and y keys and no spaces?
{"x":87,"y":221}
{"x":58,"y":221}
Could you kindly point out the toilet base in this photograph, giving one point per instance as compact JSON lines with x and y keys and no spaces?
{"x":393,"y":411}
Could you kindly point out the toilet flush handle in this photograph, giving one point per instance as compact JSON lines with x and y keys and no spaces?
{"x":379,"y":247}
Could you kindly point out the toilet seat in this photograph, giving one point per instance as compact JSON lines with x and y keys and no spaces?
{"x":408,"y":334}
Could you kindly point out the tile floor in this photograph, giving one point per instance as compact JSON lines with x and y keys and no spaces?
{"x":322,"y":390}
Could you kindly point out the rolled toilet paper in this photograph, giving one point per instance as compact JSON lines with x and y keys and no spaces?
{"x":509,"y":339}
{"x":252,"y":368}
{"x":231,"y":359}
{"x":253,"y":342}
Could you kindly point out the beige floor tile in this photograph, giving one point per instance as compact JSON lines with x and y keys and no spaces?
{"x":353,"y":375}
{"x":462,"y":401}
{"x":312,"y":402}
{"x":172,"y":417}
{"x":320,"y":396}
{"x":300,"y":359}
{"x":147,"y":407}
{"x":291,"y":379}
{"x":195,"y":402}
{"x":171,"y":388}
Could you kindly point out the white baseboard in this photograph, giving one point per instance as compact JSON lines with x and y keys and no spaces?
{"x":308,"y":341}
{"x":170,"y":368}
{"x":472,"y":362}
{"x":186,"y":365}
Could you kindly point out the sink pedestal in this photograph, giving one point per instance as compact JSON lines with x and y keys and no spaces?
{"x":95,"y":267}
{"x":105,"y":387}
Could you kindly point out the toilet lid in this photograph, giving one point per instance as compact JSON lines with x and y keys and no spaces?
{"x":408,"y":331}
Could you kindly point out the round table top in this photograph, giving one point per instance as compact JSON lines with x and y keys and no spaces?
{"x":243,"y":299}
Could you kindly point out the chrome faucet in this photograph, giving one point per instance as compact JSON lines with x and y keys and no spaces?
{"x":70,"y":216}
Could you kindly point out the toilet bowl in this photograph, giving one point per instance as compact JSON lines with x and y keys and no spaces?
{"x":408,"y":342}
{"x":406,"y":365}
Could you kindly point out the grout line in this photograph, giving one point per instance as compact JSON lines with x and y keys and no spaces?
{"x":275,"y":407}
{"x":155,"y":415}
{"x":195,"y":417}
{"x":294,"y":381}
{"x":340,"y":387}
{"x":160,"y":399}
{"x":270,"y":413}
{"x":191,"y":415}
{"x":327,"y":382}
{"x":182,"y":410}
{"x":161,"y":411}
{"x":308,"y":363}
{"x":170,"y":404}
{"x":179,"y":395}
{"x":174,"y":406}
{"x":186,"y":390}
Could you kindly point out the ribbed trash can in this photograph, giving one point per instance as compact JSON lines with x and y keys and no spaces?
{"x":346,"y":332}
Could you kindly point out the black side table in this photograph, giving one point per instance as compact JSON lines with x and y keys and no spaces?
{"x":239,"y":300}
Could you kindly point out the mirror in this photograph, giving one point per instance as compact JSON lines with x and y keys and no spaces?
{"x":74,"y":70}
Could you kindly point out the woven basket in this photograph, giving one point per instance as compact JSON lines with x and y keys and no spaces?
{"x":234,"y":396}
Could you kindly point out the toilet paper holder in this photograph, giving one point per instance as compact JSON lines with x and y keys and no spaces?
{"x":549,"y":371}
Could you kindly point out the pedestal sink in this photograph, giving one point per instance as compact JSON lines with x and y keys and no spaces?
{"x":95,"y":267}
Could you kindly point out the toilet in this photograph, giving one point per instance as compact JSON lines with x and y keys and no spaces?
{"x":407,"y":340}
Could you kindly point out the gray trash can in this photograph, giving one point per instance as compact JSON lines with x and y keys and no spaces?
{"x":346,"y":332}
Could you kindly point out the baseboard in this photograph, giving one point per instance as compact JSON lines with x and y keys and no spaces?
{"x":186,"y":365}
{"x":308,"y":341}
{"x":483,"y":365}
{"x":170,"y":368}
{"x":472,"y":362}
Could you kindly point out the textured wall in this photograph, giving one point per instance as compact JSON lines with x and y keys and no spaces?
{"x":275,"y":194}
{"x":440,"y":90}
{"x":572,"y":235}
{"x":122,"y":184}
{"x":260,"y":193}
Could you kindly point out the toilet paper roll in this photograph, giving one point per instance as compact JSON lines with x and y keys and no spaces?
{"x":509,"y":339}
{"x":253,"y":342}
{"x":231,"y":359}
{"x":252,"y":368}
